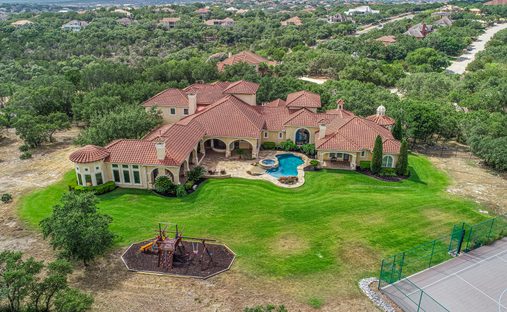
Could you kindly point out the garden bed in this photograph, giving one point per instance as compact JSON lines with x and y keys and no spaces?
{"x":187,"y":265}
{"x":382,"y":178}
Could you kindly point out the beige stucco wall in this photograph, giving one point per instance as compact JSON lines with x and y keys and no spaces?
{"x":247,"y":98}
{"x":291,"y":133}
{"x":167,"y":116}
{"x":273,"y":137}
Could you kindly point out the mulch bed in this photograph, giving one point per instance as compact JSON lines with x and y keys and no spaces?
{"x":144,"y":262}
{"x":387,"y":179}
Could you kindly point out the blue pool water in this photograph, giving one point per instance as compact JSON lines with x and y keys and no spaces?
{"x":287,"y":166}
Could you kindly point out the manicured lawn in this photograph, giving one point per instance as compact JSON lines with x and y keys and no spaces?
{"x":316,"y":240}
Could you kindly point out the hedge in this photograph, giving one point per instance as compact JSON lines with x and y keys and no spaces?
{"x":268,"y":145}
{"x":97,"y":190}
{"x":365,"y":164}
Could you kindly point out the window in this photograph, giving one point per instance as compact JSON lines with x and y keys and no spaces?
{"x":363,"y":153}
{"x":116,"y":174}
{"x":79,"y":179}
{"x":88,"y":179}
{"x":332,"y":155}
{"x":173,"y":111}
{"x":98,"y":178}
{"x":136,"y":174}
{"x":387,"y":161}
{"x":280,"y":135}
{"x":126,"y":174}
{"x":185,"y":111}
{"x":265,"y":134}
{"x":339,"y":155}
{"x":97,"y":168}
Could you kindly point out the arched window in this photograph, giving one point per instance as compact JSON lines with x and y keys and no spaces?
{"x":387,"y":161}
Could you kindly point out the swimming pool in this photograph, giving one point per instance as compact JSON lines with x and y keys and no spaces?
{"x":287,"y":166}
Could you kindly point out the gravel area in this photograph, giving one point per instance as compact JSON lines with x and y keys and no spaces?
{"x":364,"y":284}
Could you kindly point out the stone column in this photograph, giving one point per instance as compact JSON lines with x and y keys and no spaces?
{"x":227,"y":150}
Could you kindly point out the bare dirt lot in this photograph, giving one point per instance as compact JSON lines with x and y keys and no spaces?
{"x":116,"y":289}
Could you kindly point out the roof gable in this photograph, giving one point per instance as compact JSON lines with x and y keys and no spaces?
{"x":169,"y":97}
{"x":303,"y":99}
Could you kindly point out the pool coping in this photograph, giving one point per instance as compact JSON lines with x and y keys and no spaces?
{"x":301,"y":173}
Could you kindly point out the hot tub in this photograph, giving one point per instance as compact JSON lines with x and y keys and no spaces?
{"x":269,"y":163}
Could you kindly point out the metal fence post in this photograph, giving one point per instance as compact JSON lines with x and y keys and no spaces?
{"x":381,"y":272}
{"x":401,"y":265}
{"x":432,"y":251}
{"x":392,"y":270}
{"x":420,"y":299}
{"x":491,"y":228}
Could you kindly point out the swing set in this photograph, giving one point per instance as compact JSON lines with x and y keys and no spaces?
{"x":171,"y":249}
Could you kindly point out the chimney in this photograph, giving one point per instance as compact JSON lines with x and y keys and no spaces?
{"x":339,"y":104}
{"x":160,"y":147}
{"x":322,"y":130}
{"x":192,"y":103}
{"x":423,"y":29}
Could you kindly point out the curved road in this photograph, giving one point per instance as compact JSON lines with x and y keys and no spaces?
{"x":459,"y":66}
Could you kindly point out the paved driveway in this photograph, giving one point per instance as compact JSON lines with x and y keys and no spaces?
{"x":460,"y":64}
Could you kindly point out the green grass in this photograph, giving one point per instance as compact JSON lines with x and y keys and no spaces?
{"x":316,"y":240}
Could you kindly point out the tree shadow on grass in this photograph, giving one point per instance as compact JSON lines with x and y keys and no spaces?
{"x":414,"y":177}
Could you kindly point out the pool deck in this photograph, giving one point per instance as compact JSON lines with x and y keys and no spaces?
{"x":237,"y":168}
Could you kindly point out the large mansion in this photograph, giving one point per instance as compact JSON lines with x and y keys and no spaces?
{"x":223,"y":117}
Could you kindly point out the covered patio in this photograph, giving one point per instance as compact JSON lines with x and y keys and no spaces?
{"x":338,"y":160}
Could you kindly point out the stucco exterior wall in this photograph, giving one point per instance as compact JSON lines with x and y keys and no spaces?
{"x":272,"y":136}
{"x":291,"y":133}
{"x":169,"y":118}
{"x":247,"y":98}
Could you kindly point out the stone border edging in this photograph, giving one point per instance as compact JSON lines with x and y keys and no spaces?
{"x":364,"y":285}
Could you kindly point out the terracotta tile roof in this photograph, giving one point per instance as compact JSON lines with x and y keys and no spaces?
{"x":420,"y":30}
{"x":274,"y":117}
{"x":342,"y":113}
{"x":292,"y":21}
{"x":170,"y":20}
{"x":276,"y":103}
{"x":170,"y":97}
{"x":303,"y":99}
{"x":303,"y":117}
{"x":244,"y":57}
{"x":387,"y":40}
{"x":241,"y":119}
{"x":242,"y":87}
{"x":180,"y":140}
{"x":88,"y":154}
{"x":136,"y":152}
{"x":381,"y":120}
{"x":357,"y":134}
{"x":207,"y":93}
{"x":496,"y":2}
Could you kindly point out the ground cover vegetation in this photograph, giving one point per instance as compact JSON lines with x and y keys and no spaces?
{"x":98,"y":77}
{"x":354,"y":221}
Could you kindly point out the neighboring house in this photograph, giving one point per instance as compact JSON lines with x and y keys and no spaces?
{"x":223,"y":122}
{"x":419,"y":31}
{"x":226,"y":22}
{"x":365,"y":9}
{"x":241,"y":11}
{"x":451,"y":8}
{"x":295,"y":21}
{"x":244,"y":57}
{"x":338,"y":18}
{"x":22,"y":23}
{"x":74,"y":25}
{"x":169,"y":22}
{"x":125,"y":21}
{"x":123,"y":12}
{"x":475,"y":11}
{"x":202,"y":11}
{"x":387,"y":40}
{"x":3,"y":16}
{"x":496,"y":2}
{"x":443,"y":22}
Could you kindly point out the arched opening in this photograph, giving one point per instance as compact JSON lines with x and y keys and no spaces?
{"x":302,"y":136}
{"x":387,"y":161}
{"x":183,"y":171}
{"x":155,"y":173}
{"x":215,"y":145}
{"x":337,"y":160}
{"x":241,"y":149}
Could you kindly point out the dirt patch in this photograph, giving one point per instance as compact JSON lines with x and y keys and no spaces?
{"x":475,"y":181}
{"x":359,"y":255}
{"x":290,"y":244}
{"x":186,"y":262}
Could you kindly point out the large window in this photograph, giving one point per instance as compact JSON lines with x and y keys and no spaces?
{"x":126,"y":174}
{"x":88,"y":180}
{"x":387,"y":161}
{"x":79,"y":179}
{"x":98,"y":178}
{"x":136,"y":174}
{"x":116,"y":174}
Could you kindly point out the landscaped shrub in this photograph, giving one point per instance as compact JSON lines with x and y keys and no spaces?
{"x":268,"y":145}
{"x":288,"y":146}
{"x":314,"y":163}
{"x":164,"y":185}
{"x":288,"y":180}
{"x":376,"y":160}
{"x":196,"y":173}
{"x":181,"y":191}
{"x":308,"y":149}
{"x":25,"y":155}
{"x":24,"y":148}
{"x":6,"y":198}
{"x":189,"y":184}
{"x":97,"y":190}
{"x":387,"y":172}
{"x":365,"y":164}
{"x":402,"y":165}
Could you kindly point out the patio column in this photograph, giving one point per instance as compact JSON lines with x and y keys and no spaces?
{"x":353,"y":161}
{"x":255,"y":149}
{"x":196,"y":156}
{"x":320,"y":155}
{"x":227,"y":150}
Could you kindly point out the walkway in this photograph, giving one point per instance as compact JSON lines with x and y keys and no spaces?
{"x":371,"y":27}
{"x":459,"y":66}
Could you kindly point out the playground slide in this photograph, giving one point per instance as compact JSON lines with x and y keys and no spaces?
{"x":146,"y":247}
